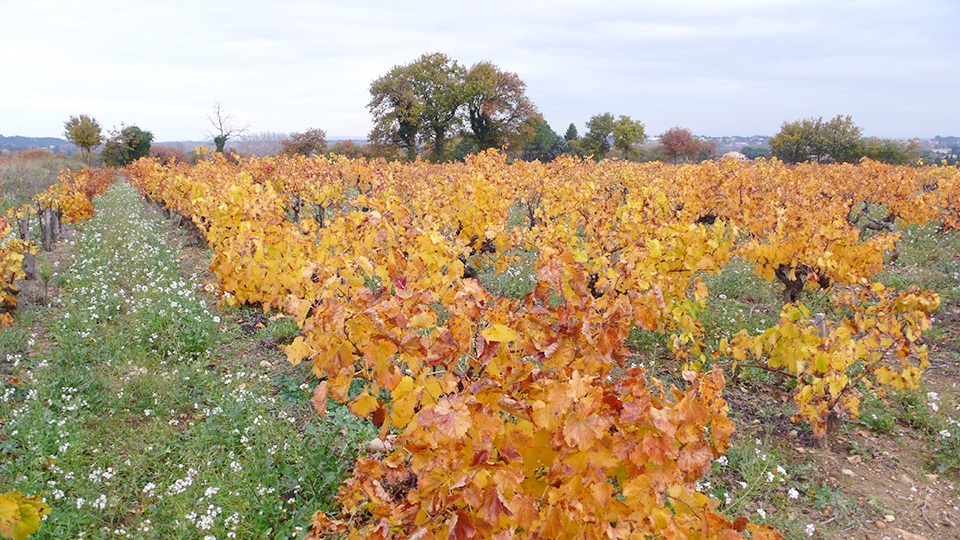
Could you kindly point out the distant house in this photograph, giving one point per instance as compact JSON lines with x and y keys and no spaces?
{"x":735,"y":155}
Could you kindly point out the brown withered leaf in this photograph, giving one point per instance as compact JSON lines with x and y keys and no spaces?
{"x":493,"y":506}
{"x":319,"y":399}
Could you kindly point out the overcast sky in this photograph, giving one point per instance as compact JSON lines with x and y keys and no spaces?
{"x":718,"y":67}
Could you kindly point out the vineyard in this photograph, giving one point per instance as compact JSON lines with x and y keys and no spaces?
{"x":519,"y":410}
{"x":519,"y":415}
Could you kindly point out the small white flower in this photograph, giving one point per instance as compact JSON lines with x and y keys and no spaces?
{"x":793,"y":493}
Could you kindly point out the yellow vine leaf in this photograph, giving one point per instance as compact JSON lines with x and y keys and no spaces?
{"x":500,"y":333}
{"x":20,"y":515}
{"x":297,"y":351}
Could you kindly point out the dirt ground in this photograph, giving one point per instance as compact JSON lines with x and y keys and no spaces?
{"x":890,"y":492}
{"x":885,"y":474}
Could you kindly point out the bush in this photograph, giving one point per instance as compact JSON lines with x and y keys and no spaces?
{"x":168,"y":155}
{"x":126,"y":146}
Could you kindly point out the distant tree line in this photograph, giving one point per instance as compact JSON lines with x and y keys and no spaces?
{"x":437,"y":109}
{"x":838,"y":140}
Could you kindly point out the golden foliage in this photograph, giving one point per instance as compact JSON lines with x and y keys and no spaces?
{"x":509,"y":422}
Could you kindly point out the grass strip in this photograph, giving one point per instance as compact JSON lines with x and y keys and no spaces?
{"x":132,"y":422}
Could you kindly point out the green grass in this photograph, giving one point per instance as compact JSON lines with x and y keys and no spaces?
{"x":928,"y":259}
{"x":755,"y":481}
{"x":22,"y":178}
{"x":137,"y":422}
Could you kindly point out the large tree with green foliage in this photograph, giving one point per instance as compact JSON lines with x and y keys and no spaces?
{"x":424,"y":103}
{"x":497,"y":107}
{"x":599,"y":129}
{"x":893,"y":152}
{"x":545,"y":146}
{"x":838,"y":140}
{"x":626,"y":134}
{"x":418,"y":103}
{"x":126,"y":146}
{"x":85,"y":132}
{"x":396,"y":112}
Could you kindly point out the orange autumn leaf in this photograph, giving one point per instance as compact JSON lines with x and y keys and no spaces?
{"x":493,"y":506}
{"x":449,"y":416}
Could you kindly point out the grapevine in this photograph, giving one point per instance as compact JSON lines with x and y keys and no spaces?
{"x":518,"y":416}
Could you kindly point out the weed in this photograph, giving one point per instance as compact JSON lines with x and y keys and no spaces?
{"x":875,"y":415}
{"x":127,"y":431}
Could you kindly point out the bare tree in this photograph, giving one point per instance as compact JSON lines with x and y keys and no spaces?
{"x":223,"y":123}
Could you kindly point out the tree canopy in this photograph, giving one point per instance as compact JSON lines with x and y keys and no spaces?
{"x":497,"y":106}
{"x":679,"y":143}
{"x":418,"y":102}
{"x":545,"y":146}
{"x":893,"y":152}
{"x":599,"y":129}
{"x":85,"y":132}
{"x":307,"y":143}
{"x":626,"y":134}
{"x":424,"y":103}
{"x":125,"y":146}
{"x":837,"y":140}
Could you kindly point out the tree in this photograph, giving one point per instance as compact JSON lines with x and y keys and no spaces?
{"x":125,"y":146}
{"x":85,"y":133}
{"x":678,"y":142}
{"x":545,"y":146}
{"x":893,"y":152}
{"x":497,"y":106}
{"x":464,"y":147}
{"x":838,"y":140}
{"x":794,"y":141}
{"x":841,"y":140}
{"x":418,"y":103}
{"x":571,"y":134}
{"x":312,"y":141}
{"x":753,"y":153}
{"x":226,"y":130}
{"x":599,"y":129}
{"x":424,"y":103}
{"x":706,"y":150}
{"x":626,"y":134}
{"x":396,"y":112}
{"x":346,"y":148}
